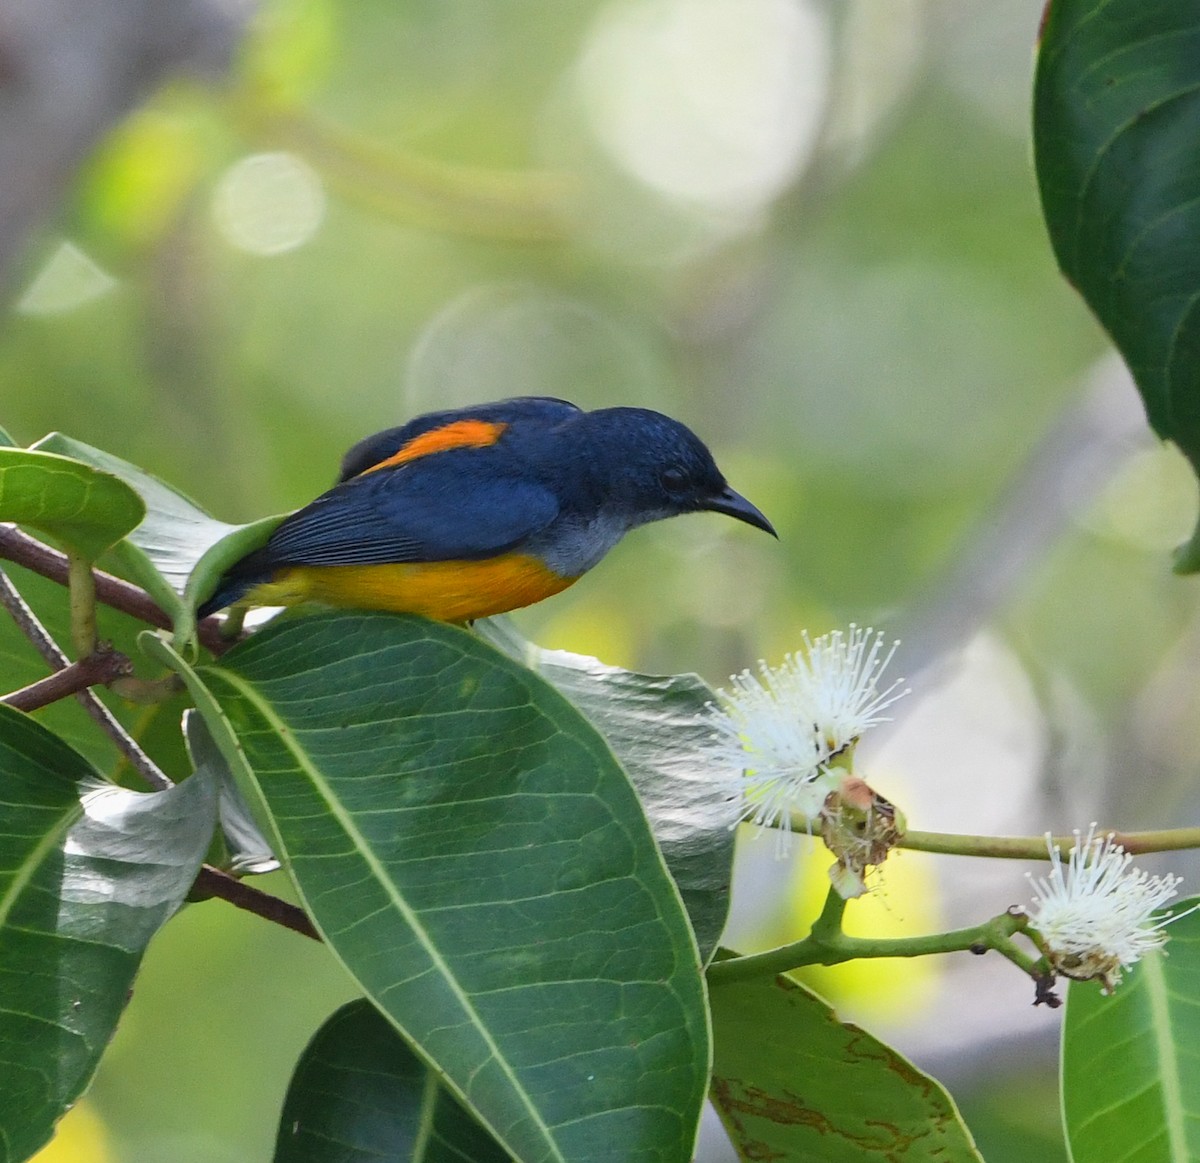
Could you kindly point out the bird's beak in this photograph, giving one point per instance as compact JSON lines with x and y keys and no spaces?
{"x":735,"y":505}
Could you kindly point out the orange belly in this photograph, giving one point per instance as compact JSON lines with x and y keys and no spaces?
{"x":447,"y":591}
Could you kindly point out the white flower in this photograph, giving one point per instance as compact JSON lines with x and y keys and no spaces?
{"x":1095,"y":915}
{"x":790,"y":724}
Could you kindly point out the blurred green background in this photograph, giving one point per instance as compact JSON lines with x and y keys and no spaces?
{"x":809,"y":230}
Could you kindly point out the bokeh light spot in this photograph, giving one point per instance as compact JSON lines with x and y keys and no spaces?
{"x":269,"y":203}
{"x":68,"y":279}
{"x":519,"y":339}
{"x":1150,"y":503}
{"x":717,"y":103}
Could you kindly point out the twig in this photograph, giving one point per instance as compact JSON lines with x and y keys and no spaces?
{"x":1037,"y":847}
{"x":827,"y":944}
{"x":104,"y":665}
{"x":24,"y":550}
{"x":100,"y":667}
{"x":212,"y":882}
{"x":33,"y":629}
{"x":1030,"y":847}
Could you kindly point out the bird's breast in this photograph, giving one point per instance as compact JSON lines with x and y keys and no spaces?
{"x":447,"y":591}
{"x":572,"y":547}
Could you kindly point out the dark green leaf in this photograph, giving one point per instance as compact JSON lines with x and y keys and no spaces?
{"x":1117,"y":148}
{"x":658,"y":727}
{"x":1130,"y":1062}
{"x":86,"y":509}
{"x":360,"y":1095}
{"x":792,"y":1082}
{"x":471,"y":850}
{"x":6,"y":441}
{"x":88,"y":873}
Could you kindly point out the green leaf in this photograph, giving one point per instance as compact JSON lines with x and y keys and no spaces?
{"x":471,"y":850}
{"x":223,"y":553}
{"x":88,"y":873}
{"x":247,"y":850}
{"x":175,"y":533}
{"x":792,"y":1082}
{"x":84,"y":508}
{"x":1117,"y":149}
{"x":360,"y":1095}
{"x":1131,"y":1061}
{"x":658,"y":727}
{"x":6,"y":441}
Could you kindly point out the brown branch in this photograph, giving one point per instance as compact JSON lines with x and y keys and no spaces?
{"x":212,"y":882}
{"x":33,"y":629}
{"x":113,"y":591}
{"x":99,"y":668}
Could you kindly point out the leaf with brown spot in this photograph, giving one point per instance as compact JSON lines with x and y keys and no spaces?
{"x":792,"y":1082}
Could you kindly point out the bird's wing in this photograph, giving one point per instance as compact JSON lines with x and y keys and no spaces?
{"x":437,"y":513}
{"x":376,"y":450}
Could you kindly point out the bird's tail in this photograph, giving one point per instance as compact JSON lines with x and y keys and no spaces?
{"x":236,"y":583}
{"x":226,"y":594}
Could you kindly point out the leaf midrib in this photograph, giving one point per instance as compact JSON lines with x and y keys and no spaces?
{"x":30,"y":866}
{"x":287,"y":737}
{"x":1158,"y":995}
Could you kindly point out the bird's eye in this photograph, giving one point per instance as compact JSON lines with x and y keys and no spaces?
{"x":673,"y":480}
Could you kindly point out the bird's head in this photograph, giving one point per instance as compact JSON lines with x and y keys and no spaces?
{"x":655,"y":467}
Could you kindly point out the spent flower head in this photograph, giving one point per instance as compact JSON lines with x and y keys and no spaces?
{"x":793,"y":728}
{"x":860,"y":828}
{"x":1094,"y":914}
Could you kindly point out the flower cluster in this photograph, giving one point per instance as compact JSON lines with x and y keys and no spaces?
{"x":793,"y":728}
{"x":1095,"y":914}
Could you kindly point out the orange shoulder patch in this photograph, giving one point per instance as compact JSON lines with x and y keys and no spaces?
{"x":459,"y":434}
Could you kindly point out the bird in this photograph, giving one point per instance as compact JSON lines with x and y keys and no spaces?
{"x":465,"y":513}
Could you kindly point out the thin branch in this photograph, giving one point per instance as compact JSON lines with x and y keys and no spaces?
{"x":27,"y":622}
{"x":100,"y":667}
{"x":112,"y":591}
{"x":33,"y":629}
{"x":1030,"y":847}
{"x":212,"y":882}
{"x":1037,"y":847}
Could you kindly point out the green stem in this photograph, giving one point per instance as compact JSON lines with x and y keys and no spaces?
{"x":82,"y":587}
{"x":828,"y":926}
{"x":1035,"y":847}
{"x":518,"y":205}
{"x":831,"y":946}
